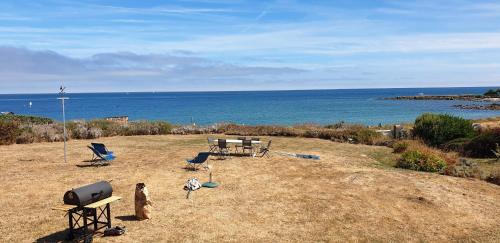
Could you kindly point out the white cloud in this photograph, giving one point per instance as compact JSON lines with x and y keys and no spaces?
{"x":26,"y":68}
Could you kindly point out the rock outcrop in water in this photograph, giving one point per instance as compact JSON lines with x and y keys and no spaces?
{"x":494,"y":107}
{"x":447,"y":97}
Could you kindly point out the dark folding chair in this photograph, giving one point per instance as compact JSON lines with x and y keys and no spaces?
{"x":239,"y":145}
{"x":256,"y":146}
{"x":211,"y":145}
{"x":98,"y":158}
{"x":247,"y":145}
{"x":223,"y":149}
{"x":199,"y":160}
{"x":264,"y":151}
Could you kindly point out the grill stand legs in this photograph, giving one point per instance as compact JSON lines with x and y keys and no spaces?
{"x":108,"y":210}
{"x":95,"y":219}
{"x":88,"y":216}
{"x":71,"y":227}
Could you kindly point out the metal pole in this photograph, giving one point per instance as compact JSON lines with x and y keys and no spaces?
{"x":62,"y":98}
{"x":64,"y":128}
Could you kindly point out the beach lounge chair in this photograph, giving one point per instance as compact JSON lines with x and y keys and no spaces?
{"x":98,"y":158}
{"x":222,"y":147}
{"x":101,"y":148}
{"x":264,"y":151}
{"x":200,"y":159}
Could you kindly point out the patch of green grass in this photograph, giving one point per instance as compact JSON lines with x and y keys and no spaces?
{"x":384,"y":157}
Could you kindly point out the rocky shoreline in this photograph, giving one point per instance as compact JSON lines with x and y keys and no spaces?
{"x":493,"y":107}
{"x":447,"y":97}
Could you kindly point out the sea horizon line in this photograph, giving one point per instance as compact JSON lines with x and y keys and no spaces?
{"x":263,"y":90}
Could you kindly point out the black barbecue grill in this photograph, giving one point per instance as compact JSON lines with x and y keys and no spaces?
{"x":89,"y":204}
{"x":88,"y":194}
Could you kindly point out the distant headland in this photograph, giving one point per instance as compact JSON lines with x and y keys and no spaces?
{"x":490,"y":96}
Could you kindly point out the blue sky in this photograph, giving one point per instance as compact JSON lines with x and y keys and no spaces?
{"x":247,"y":45}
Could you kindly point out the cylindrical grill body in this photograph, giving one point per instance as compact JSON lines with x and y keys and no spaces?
{"x":88,"y":194}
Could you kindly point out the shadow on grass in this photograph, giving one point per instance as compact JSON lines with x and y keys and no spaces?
{"x":192,"y":169}
{"x":228,"y":156}
{"x":127,"y":218}
{"x":60,"y":236}
{"x":93,"y":163}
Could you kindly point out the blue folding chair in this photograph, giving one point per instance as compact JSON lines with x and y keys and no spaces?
{"x":200,"y":159}
{"x":101,"y":148}
{"x":98,"y":158}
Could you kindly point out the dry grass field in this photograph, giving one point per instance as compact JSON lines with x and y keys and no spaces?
{"x":346,"y":196}
{"x":490,"y":123}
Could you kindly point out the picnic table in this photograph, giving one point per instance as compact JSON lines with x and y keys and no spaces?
{"x":237,"y":141}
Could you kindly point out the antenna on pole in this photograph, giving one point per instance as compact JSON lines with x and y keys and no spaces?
{"x":62,"y":98}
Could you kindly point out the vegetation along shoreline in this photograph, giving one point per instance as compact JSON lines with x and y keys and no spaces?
{"x":434,"y":142}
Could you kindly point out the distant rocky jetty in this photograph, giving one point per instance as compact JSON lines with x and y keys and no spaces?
{"x":494,"y":106}
{"x":447,"y":97}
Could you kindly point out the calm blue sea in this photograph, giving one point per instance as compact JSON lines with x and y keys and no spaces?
{"x":248,"y":107}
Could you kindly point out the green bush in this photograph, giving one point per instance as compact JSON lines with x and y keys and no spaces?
{"x":48,"y":132}
{"x":147,"y":128}
{"x":346,"y":133}
{"x":22,"y":119}
{"x":9,"y":130}
{"x":108,"y":128}
{"x":437,"y":129}
{"x":483,"y":145}
{"x":234,"y":129}
{"x":98,"y":128}
{"x":456,"y":145}
{"x":400,"y":147}
{"x":367,"y":136}
{"x":26,"y":136}
{"x":421,"y":161}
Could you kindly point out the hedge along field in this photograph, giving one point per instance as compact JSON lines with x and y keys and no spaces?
{"x":445,"y":132}
{"x":27,"y":129}
{"x":435,"y":145}
{"x":21,"y":129}
{"x":448,"y":133}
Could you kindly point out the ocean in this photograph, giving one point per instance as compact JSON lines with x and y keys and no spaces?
{"x":364,"y":106}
